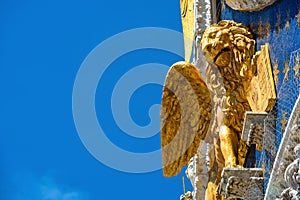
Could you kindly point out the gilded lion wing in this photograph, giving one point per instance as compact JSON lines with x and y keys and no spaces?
{"x":185,"y":116}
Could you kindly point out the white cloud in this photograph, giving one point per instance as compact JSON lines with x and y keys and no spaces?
{"x":50,"y":190}
{"x":45,"y":188}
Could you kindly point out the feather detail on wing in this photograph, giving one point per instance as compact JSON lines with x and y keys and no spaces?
{"x":185,"y":116}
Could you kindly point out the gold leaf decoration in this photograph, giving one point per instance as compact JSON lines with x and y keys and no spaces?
{"x":268,"y":28}
{"x":297,"y":67}
{"x":298,"y":17}
{"x":276,"y":71}
{"x":260,"y":30}
{"x":261,"y":93}
{"x":185,"y":116}
{"x":187,"y":18}
{"x":283,"y":121}
{"x":286,"y":70}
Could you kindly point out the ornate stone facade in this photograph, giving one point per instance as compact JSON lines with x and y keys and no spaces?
{"x":271,"y":128}
{"x":292,"y":178}
{"x":284,"y":183}
{"x":243,"y":183}
{"x":249,"y":5}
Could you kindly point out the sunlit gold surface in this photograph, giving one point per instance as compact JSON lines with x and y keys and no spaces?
{"x":298,"y":17}
{"x":185,"y":116}
{"x":187,"y":17}
{"x":283,"y":121}
{"x":188,"y":104}
{"x":286,"y":71}
{"x":229,"y":48}
{"x":211,"y":192}
{"x":297,"y":67}
{"x":276,"y":72}
{"x":268,"y":28}
{"x":260,"y":30}
{"x":261,"y":93}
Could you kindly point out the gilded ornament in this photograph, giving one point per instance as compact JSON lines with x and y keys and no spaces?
{"x":278,"y":22}
{"x":230,"y":48}
{"x":223,"y":5}
{"x":287,"y":20}
{"x":276,"y":71}
{"x":283,"y":121}
{"x":260,"y":30}
{"x":298,"y":17}
{"x":252,"y":27}
{"x":287,"y":25}
{"x":286,"y":70}
{"x":268,"y":28}
{"x":297,"y":67}
{"x":193,"y":110}
{"x":185,"y":116}
{"x":261,"y":93}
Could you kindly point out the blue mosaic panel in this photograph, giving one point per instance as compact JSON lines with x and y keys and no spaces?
{"x":278,"y":25}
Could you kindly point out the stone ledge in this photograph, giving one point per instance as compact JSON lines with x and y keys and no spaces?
{"x":253,"y":129}
{"x":243,"y":183}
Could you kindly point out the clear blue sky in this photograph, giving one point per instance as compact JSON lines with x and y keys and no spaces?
{"x":42,"y":45}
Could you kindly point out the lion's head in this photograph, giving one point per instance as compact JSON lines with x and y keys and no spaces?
{"x":226,"y":40}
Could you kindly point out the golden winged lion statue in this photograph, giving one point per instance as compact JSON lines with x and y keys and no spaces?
{"x":213,"y":110}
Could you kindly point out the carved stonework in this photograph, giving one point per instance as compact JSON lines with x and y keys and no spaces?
{"x":261,"y":93}
{"x":238,"y":79}
{"x":205,"y":15}
{"x":197,"y":171}
{"x":229,"y":49}
{"x":188,"y":106}
{"x":292,"y":172}
{"x":249,"y":5}
{"x":289,"y":194}
{"x":285,"y":179}
{"x":253,"y":129}
{"x":292,"y":178}
{"x":244,"y":183}
{"x":187,"y":196}
{"x":269,"y":138}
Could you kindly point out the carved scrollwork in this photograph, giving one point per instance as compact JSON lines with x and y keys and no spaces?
{"x":292,"y":178}
{"x":249,"y":5}
{"x":242,"y":183}
{"x":284,"y":183}
{"x":292,"y":172}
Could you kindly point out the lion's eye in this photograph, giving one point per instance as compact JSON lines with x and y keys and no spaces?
{"x":208,"y":48}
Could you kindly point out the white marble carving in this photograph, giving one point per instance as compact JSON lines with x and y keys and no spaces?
{"x":243,"y":183}
{"x":285,"y":178}
{"x":269,"y":138}
{"x":249,"y":5}
{"x":198,"y":168}
{"x":187,"y":196}
{"x":205,"y":15}
{"x":197,"y":171}
{"x":253,"y":129}
{"x":292,"y":178}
